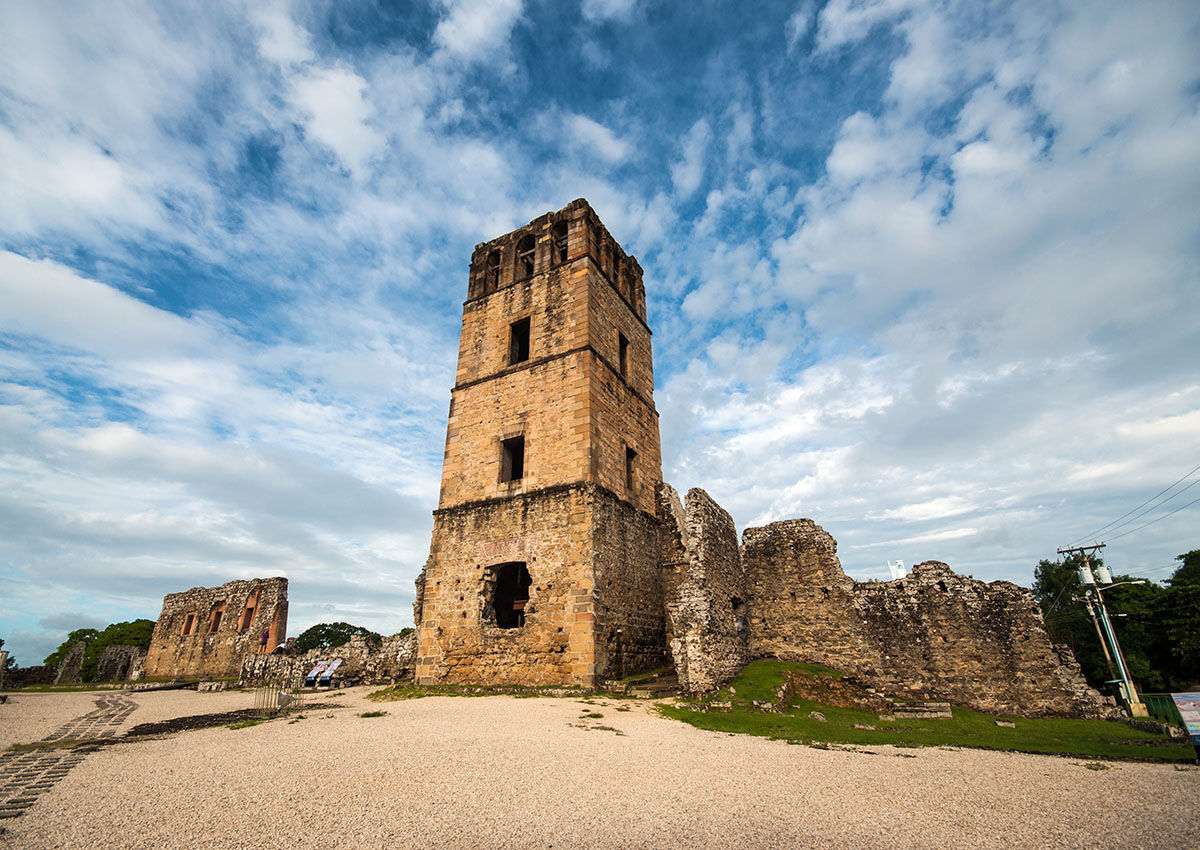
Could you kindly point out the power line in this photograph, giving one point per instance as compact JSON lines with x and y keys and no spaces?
{"x":1158,"y":518}
{"x":1143,"y":504}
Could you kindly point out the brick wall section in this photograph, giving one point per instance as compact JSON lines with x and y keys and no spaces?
{"x":933,"y":635}
{"x":703,"y":588}
{"x":177,"y":652}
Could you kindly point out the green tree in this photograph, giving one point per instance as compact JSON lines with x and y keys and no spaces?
{"x":10,"y":663}
{"x":329,"y":635}
{"x":86,"y":635}
{"x":1135,"y":612}
{"x":1179,"y":623}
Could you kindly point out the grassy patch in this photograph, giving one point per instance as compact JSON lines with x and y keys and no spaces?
{"x":373,"y":714}
{"x":246,"y":723}
{"x":63,"y":689}
{"x":1051,"y":735}
{"x":592,"y":714}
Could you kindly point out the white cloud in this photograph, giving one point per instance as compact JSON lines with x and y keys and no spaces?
{"x":338,"y":114}
{"x":597,"y":139}
{"x":603,"y":10}
{"x":688,"y":172}
{"x":476,"y":30}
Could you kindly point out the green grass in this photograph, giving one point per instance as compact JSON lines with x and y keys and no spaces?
{"x":247,"y":723}
{"x":1050,"y":735}
{"x":373,"y":714}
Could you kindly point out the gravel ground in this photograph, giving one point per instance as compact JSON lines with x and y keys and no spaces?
{"x":28,"y":717}
{"x":504,"y":772}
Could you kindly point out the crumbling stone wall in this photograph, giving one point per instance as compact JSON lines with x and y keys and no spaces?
{"x":703,"y":587}
{"x":119,"y":663}
{"x":364,"y":661}
{"x":205,"y":632}
{"x":71,"y":665}
{"x":933,"y":635}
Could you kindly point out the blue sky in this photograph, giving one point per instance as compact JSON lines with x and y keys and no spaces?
{"x":924,"y":272}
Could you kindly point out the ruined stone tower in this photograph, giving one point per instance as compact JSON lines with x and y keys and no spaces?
{"x":543,"y":562}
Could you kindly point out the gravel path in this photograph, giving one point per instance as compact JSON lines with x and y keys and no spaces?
{"x":32,"y":716}
{"x":503,"y":772}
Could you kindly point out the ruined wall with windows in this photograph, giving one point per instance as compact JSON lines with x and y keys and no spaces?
{"x":204,"y":632}
{"x":550,"y":467}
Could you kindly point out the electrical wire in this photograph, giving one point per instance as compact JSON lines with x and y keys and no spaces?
{"x":1158,"y":518}
{"x":1186,"y":476}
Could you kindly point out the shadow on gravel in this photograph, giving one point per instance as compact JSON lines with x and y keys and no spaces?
{"x":206,"y":721}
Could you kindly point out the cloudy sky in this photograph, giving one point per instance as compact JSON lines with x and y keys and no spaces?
{"x":924,"y":272}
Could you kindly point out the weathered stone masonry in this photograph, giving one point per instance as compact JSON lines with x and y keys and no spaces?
{"x":543,"y":562}
{"x":204,"y":632}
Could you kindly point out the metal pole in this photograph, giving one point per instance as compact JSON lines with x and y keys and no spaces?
{"x":1091,"y":607}
{"x":1136,"y":707}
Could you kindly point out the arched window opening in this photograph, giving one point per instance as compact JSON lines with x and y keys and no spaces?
{"x":510,"y":593}
{"x":612,"y":263}
{"x":561,"y":242}
{"x":525,"y":251}
{"x":491,"y":272}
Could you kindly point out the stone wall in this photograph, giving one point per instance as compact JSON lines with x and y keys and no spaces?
{"x":933,"y":635}
{"x":71,"y":665}
{"x":120,"y":664}
{"x":364,"y":661}
{"x":205,"y":632}
{"x":707,"y":627}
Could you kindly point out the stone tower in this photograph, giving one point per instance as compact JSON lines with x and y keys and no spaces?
{"x":543,"y":562}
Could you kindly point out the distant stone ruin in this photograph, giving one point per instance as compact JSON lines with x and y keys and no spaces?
{"x":70,"y":667}
{"x":205,"y":632}
{"x":364,"y":661}
{"x":120,"y":664}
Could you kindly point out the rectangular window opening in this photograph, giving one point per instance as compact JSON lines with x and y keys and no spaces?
{"x":510,"y":593}
{"x":623,"y":355}
{"x":518,"y":342}
{"x":512,"y":458}
{"x":630,"y":457}
{"x":188,"y":623}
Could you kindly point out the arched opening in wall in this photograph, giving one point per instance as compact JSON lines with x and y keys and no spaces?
{"x":740,"y":618}
{"x":612,"y":264}
{"x":189,"y":625}
{"x":509,"y":594}
{"x":491,"y":272}
{"x":525,"y":252}
{"x":561,"y":242}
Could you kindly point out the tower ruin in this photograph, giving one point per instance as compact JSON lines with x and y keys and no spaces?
{"x":543,"y":562}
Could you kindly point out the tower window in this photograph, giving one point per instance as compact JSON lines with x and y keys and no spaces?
{"x":630,"y":457}
{"x":512,"y":458}
{"x":510,"y":593}
{"x":612,"y":263}
{"x":525,"y":252}
{"x":518,"y":341}
{"x":560,"y":241}
{"x":491,"y":273}
{"x":189,"y":623}
{"x":623,"y":355}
